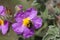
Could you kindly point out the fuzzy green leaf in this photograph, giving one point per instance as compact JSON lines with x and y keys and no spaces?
{"x":52,"y":33}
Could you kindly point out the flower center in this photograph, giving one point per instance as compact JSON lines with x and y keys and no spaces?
{"x":26,"y":22}
{"x":1,"y":22}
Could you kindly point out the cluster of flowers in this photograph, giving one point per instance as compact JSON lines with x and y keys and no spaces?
{"x":25,"y":21}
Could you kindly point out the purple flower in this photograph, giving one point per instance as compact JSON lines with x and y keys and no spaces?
{"x":2,"y":10}
{"x":3,"y":26}
{"x":3,"y":23}
{"x":26,"y":22}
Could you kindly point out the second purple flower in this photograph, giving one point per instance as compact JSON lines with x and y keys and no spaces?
{"x":26,"y":22}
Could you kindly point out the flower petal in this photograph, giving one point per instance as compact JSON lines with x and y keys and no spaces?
{"x":18,"y":28}
{"x":4,"y":28}
{"x":2,"y":10}
{"x":15,"y":27}
{"x":19,"y":16}
{"x":37,"y":21}
{"x":28,"y":12}
{"x":27,"y":33}
{"x":33,"y":13}
{"x":18,"y":19}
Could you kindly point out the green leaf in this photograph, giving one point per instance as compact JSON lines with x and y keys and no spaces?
{"x":57,"y":10}
{"x":52,"y":33}
{"x":45,"y":14}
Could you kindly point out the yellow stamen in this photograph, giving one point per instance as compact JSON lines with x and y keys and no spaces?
{"x":26,"y":22}
{"x":1,"y":22}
